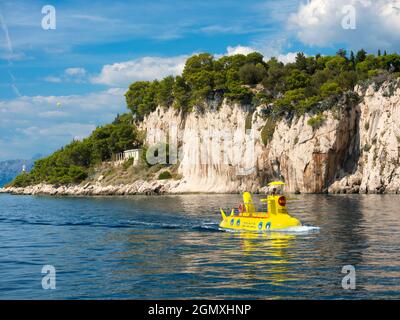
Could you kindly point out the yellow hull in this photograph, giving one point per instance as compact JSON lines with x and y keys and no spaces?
{"x":258,"y":221}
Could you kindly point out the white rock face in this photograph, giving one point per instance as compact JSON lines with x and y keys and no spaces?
{"x":216,"y":153}
{"x":307,"y":159}
{"x":356,"y":149}
{"x":378,"y":168}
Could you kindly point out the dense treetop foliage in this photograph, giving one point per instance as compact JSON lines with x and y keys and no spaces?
{"x":71,"y":163}
{"x":292,"y":87}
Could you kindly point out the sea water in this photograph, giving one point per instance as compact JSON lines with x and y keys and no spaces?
{"x":167,"y":247}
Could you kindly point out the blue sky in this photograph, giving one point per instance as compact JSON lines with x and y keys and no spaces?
{"x":56,"y":85}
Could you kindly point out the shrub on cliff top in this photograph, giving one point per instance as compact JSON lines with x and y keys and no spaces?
{"x":204,"y":78}
{"x":165,"y":175}
{"x":252,"y":74}
{"x":316,"y":122}
{"x":267,"y":131}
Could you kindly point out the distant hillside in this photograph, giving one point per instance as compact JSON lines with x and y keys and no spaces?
{"x":9,"y":169}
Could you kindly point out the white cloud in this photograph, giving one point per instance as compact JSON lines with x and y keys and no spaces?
{"x":287,"y":58}
{"x":231,"y":51}
{"x":75,"y":71}
{"x":147,"y":68}
{"x":267,"y":52}
{"x":12,"y":56}
{"x":52,"y":79}
{"x":319,"y":23}
{"x":234,"y":28}
{"x":77,"y":75}
{"x":53,"y":114}
{"x":108,"y":100}
{"x":66,"y":130}
{"x":41,"y":124}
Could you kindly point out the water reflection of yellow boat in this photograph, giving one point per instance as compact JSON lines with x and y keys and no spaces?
{"x":271,"y":240}
{"x":274,"y":217}
{"x":272,"y":252}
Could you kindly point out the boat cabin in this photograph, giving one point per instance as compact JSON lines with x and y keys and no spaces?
{"x":275,"y":203}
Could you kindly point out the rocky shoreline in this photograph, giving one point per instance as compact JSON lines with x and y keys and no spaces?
{"x":158,"y":187}
{"x":136,"y":188}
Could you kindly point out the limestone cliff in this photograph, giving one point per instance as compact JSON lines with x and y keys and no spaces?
{"x":354,"y":148}
{"x":377,"y":168}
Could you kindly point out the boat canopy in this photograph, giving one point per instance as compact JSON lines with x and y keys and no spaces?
{"x":276,"y":183}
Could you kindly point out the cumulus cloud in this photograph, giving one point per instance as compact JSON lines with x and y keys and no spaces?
{"x":52,"y":79}
{"x":41,"y":124}
{"x":231,"y":51}
{"x":288,"y":57}
{"x":60,"y":130}
{"x":330,"y":23}
{"x":268,"y":53}
{"x":147,"y":68}
{"x":77,"y":75}
{"x":75,"y":71}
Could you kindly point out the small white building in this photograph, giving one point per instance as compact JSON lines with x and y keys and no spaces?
{"x":126,"y":155}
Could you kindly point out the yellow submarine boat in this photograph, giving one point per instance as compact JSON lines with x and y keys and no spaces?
{"x":274,"y":217}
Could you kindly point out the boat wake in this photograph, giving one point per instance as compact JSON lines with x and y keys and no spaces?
{"x":207,"y":227}
{"x":199,"y":226}
{"x":300,"y":229}
{"x":123,"y":224}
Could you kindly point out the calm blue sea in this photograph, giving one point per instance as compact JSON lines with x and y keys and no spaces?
{"x":171,"y":247}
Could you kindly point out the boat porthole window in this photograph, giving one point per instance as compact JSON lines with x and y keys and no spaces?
{"x":260,"y":225}
{"x":268,"y":226}
{"x":232,"y":222}
{"x":238,"y":222}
